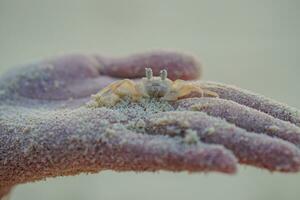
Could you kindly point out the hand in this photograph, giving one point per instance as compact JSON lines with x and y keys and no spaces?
{"x":46,"y":130}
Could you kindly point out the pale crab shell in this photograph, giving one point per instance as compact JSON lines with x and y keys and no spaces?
{"x":155,"y":87}
{"x":147,"y":88}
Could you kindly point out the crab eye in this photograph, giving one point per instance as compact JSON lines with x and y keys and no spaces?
{"x":163,"y":74}
{"x":149,"y":73}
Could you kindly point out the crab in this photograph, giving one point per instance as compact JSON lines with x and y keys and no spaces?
{"x":159,"y":87}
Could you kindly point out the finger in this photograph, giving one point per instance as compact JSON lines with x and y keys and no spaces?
{"x":258,"y":102}
{"x":244,"y":117}
{"x":250,"y":148}
{"x":38,"y":144}
{"x":178,"y":65}
{"x":63,"y":77}
{"x":55,"y":78}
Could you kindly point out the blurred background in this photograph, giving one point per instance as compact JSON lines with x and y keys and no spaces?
{"x":253,"y":44}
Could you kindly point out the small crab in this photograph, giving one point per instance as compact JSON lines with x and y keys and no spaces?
{"x":149,"y":87}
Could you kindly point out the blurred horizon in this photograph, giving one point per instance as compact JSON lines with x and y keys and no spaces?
{"x":252,"y":44}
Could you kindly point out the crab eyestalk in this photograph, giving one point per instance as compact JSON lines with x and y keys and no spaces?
{"x":163,"y":74}
{"x":149,"y":73}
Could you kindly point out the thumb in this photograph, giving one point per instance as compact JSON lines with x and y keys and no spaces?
{"x":179,"y":65}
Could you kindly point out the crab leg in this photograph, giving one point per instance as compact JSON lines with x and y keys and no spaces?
{"x":113,"y":93}
{"x":183,"y":89}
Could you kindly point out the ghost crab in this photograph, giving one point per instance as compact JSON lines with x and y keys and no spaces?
{"x":159,"y":87}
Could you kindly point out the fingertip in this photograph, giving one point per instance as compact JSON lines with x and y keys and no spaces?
{"x":217,"y":158}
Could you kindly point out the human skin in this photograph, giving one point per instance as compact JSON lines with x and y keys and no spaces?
{"x":46,"y":129}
